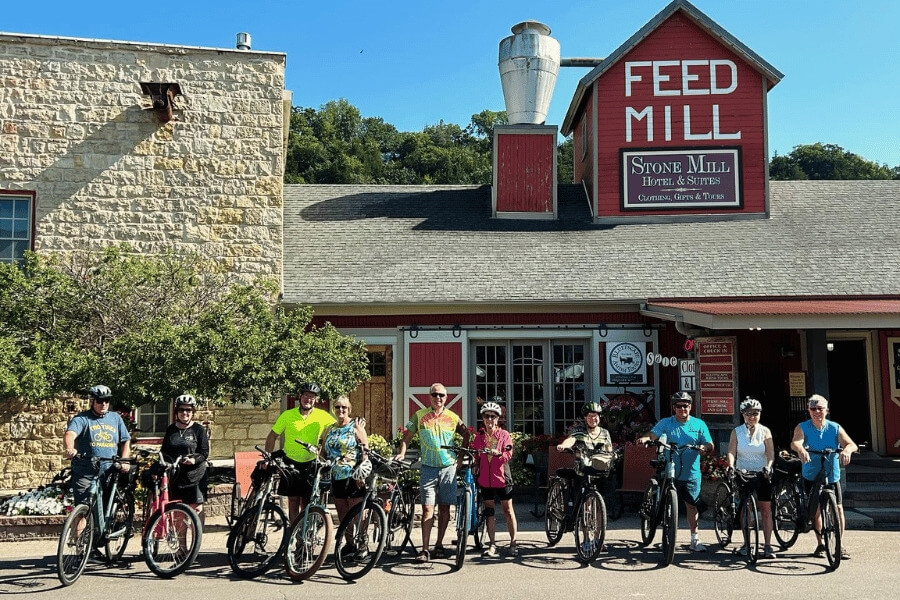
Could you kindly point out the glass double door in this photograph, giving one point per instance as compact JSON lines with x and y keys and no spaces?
{"x":541,"y":383}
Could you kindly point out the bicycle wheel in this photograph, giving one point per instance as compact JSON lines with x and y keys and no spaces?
{"x":670,"y":526}
{"x":555,"y":513}
{"x":308,"y":543}
{"x":75,"y":544}
{"x":357,"y":558}
{"x":723,"y":516}
{"x":590,"y":526}
{"x":831,"y":529}
{"x":400,"y":523}
{"x":257,"y":539}
{"x":750,"y":527}
{"x":463,"y":514}
{"x":649,"y":511}
{"x":120,"y":527}
{"x":785,"y":513}
{"x":480,"y":528}
{"x":172,"y":539}
{"x":237,"y":503}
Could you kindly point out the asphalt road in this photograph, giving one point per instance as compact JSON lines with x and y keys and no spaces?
{"x":625,"y":570}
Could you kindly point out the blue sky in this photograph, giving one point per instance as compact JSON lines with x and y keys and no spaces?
{"x":417,"y":62}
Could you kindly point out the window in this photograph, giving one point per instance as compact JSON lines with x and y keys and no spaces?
{"x":16,"y":212}
{"x":377,"y":363}
{"x":153,"y":418}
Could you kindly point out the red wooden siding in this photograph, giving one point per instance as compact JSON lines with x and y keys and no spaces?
{"x":525,"y":172}
{"x":679,"y":39}
{"x":435,"y":362}
{"x":890,"y":401}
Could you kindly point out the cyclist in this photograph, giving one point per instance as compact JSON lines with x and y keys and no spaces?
{"x":494,"y":476}
{"x":682,"y":428}
{"x":818,"y":433}
{"x":95,"y":433}
{"x":182,"y":438}
{"x":437,"y":480}
{"x":751,"y":449}
{"x":306,"y":423}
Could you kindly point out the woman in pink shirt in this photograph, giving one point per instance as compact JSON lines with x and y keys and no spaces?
{"x":494,"y":476}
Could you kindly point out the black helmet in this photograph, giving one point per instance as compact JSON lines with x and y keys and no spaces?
{"x":591,"y":407}
{"x":312,"y":388}
{"x":100,"y":392}
{"x":186,"y":400}
{"x":681,"y":397}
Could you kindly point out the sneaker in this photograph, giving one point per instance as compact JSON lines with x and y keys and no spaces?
{"x":742,"y":551}
{"x":440,"y":552}
{"x":491,"y":552}
{"x":697,"y":545}
{"x":423,"y":557}
{"x":845,"y":554}
{"x":819,"y":552}
{"x":513,"y":550}
{"x":769,"y":552}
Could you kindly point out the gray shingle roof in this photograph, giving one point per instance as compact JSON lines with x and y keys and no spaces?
{"x":437,"y":244}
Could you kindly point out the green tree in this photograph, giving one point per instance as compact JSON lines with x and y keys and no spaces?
{"x":565,"y":161}
{"x":155,"y":327}
{"x":826,"y":161}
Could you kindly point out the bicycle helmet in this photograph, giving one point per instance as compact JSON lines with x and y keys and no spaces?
{"x":362,"y":470}
{"x":186,"y":400}
{"x":491,"y":406}
{"x":100,"y":392}
{"x":680,"y":397}
{"x":750,"y":404}
{"x":591,"y":407}
{"x":312,"y":388}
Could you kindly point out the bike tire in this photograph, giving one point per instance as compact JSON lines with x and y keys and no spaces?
{"x":400,"y":518}
{"x":480,"y":528}
{"x":75,"y":548}
{"x":172,"y":540}
{"x":368,"y":541}
{"x":649,"y":512}
{"x":723,"y":517}
{"x":122,"y":521}
{"x":463,"y":515}
{"x":555,"y":512}
{"x":750,"y":528}
{"x":306,"y":552}
{"x":670,"y":526}
{"x":237,"y":503}
{"x":590,"y":526}
{"x":831,"y":529}
{"x":253,"y":545}
{"x":785,"y":513}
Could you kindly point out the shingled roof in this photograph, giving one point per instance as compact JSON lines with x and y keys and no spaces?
{"x":371,"y":245}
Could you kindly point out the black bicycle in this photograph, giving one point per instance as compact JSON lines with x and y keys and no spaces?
{"x":736,"y":504}
{"x":399,"y":490}
{"x":794,"y":509}
{"x":659,"y":506}
{"x":588,"y":520}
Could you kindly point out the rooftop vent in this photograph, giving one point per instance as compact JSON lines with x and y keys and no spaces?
{"x":529,"y":64}
{"x":243,"y":41}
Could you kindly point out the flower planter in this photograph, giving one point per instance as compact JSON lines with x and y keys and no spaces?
{"x":31,"y":527}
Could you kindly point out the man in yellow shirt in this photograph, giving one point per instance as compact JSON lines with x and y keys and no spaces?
{"x":306,"y":423}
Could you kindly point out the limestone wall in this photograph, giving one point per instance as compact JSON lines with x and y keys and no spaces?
{"x":238,"y":428}
{"x":74,"y":129}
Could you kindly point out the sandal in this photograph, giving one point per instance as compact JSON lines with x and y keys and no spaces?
{"x":423,"y":557}
{"x":440,"y":552}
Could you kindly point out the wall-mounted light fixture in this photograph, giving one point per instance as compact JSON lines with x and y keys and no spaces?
{"x":829,"y":346}
{"x":162,"y":95}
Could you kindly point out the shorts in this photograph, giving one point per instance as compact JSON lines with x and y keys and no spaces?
{"x":762,"y":487}
{"x":836,"y":486}
{"x":504,"y":493}
{"x":297,"y":480}
{"x":689,"y":492}
{"x":81,"y":484}
{"x":195,"y":494}
{"x":344,"y":489}
{"x":437,"y":485}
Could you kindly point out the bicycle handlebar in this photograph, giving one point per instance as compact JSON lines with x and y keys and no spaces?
{"x":674,"y":446}
{"x":473,"y":451}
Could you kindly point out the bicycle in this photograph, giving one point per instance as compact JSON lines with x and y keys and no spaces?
{"x":589,"y":520}
{"x":310,"y":533}
{"x":659,"y":505}
{"x":259,"y":533}
{"x":470,"y":517}
{"x":107,"y":520}
{"x":401,"y":508}
{"x":172,"y":531}
{"x":735,"y":500}
{"x":795,"y":509}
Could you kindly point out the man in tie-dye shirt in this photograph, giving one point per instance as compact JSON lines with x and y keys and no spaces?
{"x":435,"y":426}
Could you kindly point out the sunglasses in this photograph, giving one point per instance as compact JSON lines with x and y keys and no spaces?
{"x":187,"y":410}
{"x":438,"y":395}
{"x":99,"y":401}
{"x":490,"y":416}
{"x":753,"y":413}
{"x":341,"y":408}
{"x":682,"y":406}
{"x":818,"y":409}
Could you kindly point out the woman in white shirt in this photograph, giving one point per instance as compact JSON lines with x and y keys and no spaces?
{"x":751,"y":449}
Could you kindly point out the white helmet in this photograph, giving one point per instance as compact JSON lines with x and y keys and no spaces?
{"x":362,"y":470}
{"x":491,"y":406}
{"x":750,"y":404}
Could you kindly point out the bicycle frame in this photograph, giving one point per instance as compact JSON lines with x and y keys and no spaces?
{"x":319,"y":495}
{"x":159,"y":498}
{"x":102,"y":507}
{"x":810,"y":502}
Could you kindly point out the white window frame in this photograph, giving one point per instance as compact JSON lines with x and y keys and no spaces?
{"x":15,"y":220}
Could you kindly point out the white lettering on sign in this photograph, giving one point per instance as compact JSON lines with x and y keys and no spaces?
{"x":659,"y":77}
{"x":647,"y":112}
{"x":632,"y":114}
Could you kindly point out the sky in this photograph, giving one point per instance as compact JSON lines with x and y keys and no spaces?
{"x":415,"y":63}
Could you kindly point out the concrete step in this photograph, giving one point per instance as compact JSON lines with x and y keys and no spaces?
{"x":882,"y":518}
{"x":875,"y":495}
{"x":871,"y":459}
{"x":857,"y":520}
{"x":863,"y":473}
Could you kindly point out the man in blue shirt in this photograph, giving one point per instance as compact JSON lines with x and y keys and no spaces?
{"x":95,"y":433}
{"x":682,"y":428}
{"x":818,"y":433}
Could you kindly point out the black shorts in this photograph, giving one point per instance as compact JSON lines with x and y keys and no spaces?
{"x":836,"y":486}
{"x":345,"y":489}
{"x":504,"y":493}
{"x":195,"y":494}
{"x":762,"y":487}
{"x":297,"y":480}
